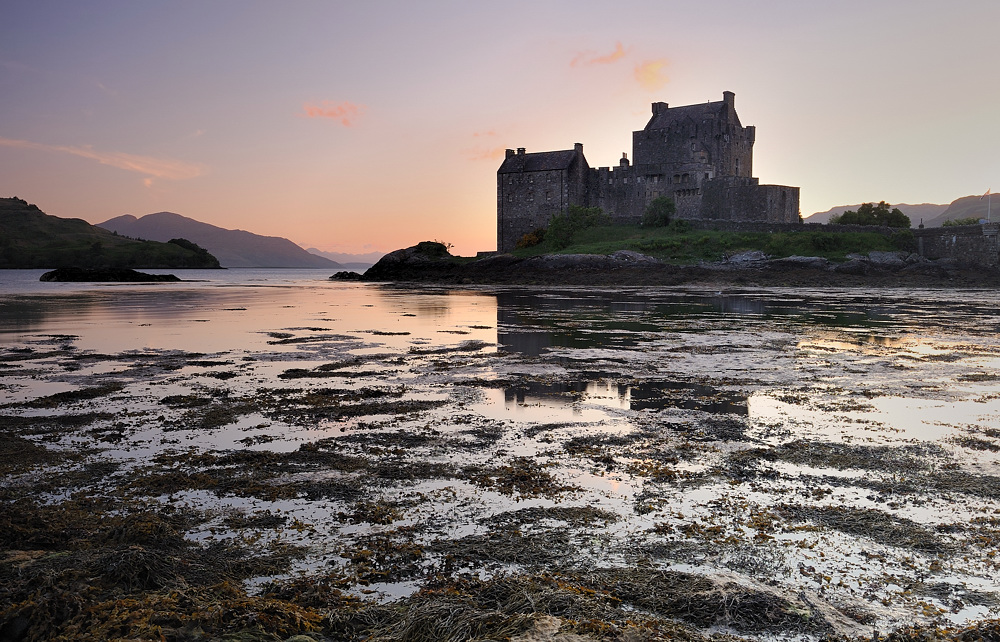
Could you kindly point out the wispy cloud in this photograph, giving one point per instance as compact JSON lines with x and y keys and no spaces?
{"x":588,"y":58}
{"x":346,"y":112}
{"x":650,"y":74}
{"x":165,"y":168}
{"x":492,"y":153}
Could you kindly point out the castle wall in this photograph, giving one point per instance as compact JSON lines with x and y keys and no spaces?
{"x":527,"y":201}
{"x":732,"y":198}
{"x":622,"y":192}
{"x":967,"y":244}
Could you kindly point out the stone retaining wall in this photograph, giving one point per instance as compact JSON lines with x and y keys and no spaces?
{"x":967,"y":244}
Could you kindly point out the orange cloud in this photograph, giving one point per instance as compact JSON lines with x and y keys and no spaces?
{"x":493,"y":153}
{"x":152,"y":167}
{"x":346,"y":112}
{"x":587,"y":58}
{"x":650,"y":74}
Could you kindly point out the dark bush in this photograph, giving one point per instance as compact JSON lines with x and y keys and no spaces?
{"x":563,"y":226}
{"x":659,"y":212}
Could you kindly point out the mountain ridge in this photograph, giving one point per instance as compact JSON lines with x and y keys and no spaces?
{"x":30,"y":238}
{"x":348,"y":260}
{"x":233,"y":248}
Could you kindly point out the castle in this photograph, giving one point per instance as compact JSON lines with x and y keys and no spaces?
{"x":698,"y":155}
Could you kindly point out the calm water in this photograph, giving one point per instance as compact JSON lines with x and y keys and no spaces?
{"x":636,"y":374}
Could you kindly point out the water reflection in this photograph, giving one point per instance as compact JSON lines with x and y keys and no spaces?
{"x":658,"y":395}
{"x":533,"y":323}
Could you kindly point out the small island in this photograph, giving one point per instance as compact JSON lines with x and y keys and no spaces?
{"x":105,"y":275}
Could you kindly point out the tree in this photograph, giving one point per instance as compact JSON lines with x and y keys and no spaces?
{"x":659,"y":212}
{"x":869,"y":214}
{"x":563,"y":226}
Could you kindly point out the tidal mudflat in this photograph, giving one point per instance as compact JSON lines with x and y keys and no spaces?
{"x":268,"y":454}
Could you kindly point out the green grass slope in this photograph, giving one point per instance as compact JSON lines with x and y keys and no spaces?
{"x":678,"y":244}
{"x":29,"y":238}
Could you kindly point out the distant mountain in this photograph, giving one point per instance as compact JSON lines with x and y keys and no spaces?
{"x":923,"y":211}
{"x":967,"y":207}
{"x":351,"y":261}
{"x":233,"y":248}
{"x":30,"y":238}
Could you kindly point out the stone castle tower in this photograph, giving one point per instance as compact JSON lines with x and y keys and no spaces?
{"x":699,"y":155}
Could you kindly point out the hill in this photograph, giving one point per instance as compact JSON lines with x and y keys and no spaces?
{"x":966,"y":207}
{"x":30,"y":238}
{"x":233,"y":248}
{"x":925,"y":211}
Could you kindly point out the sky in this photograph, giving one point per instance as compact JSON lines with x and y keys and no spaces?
{"x":361,"y":126}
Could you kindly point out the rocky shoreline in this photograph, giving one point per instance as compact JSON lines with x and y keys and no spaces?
{"x":424,"y":263}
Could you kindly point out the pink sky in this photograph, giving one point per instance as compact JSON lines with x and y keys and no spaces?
{"x":352,"y":127}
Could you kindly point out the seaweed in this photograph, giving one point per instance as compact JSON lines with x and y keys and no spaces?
{"x":72,"y":396}
{"x":523,"y":477}
{"x":870,"y":523}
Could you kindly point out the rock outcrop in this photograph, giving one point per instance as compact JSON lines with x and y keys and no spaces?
{"x":105,"y":275}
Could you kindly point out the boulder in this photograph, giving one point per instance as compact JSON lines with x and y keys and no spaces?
{"x":800,"y":263}
{"x":750,"y":257}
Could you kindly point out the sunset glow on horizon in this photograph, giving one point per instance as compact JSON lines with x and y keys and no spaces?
{"x":359,"y":127}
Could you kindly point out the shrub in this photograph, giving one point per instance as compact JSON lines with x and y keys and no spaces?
{"x":659,"y":212}
{"x":563,"y":226}
{"x":531,"y":239}
{"x":971,"y":220}
{"x":904,"y":240}
{"x":432,"y":249}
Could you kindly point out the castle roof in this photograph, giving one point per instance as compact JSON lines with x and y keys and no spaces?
{"x":537,"y":162}
{"x":666,"y":118}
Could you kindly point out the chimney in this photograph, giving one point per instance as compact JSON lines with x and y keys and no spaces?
{"x":578,"y":148}
{"x":624,"y":161}
{"x":509,"y":153}
{"x":659,"y":107}
{"x":729,"y":98}
{"x":520,"y":151}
